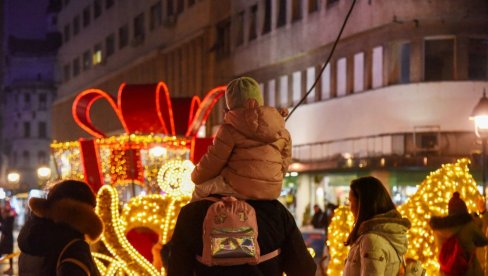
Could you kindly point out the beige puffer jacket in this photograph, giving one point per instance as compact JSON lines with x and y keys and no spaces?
{"x":371,"y":254}
{"x":252,"y":151}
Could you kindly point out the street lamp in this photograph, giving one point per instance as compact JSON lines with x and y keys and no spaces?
{"x":480,"y":117}
{"x":13,"y":179}
{"x":43,"y":173}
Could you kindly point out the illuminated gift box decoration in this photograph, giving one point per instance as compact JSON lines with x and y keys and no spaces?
{"x":159,"y":140}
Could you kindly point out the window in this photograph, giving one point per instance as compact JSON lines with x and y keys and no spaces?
{"x":223,"y":38}
{"x":377,"y":70}
{"x":108,"y":4}
{"x":97,"y":8}
{"x":325,"y":83}
{"x":313,"y":6}
{"x":86,"y":60}
{"x":14,"y":158}
{"x":405,"y":63}
{"x":272,"y":93}
{"x":109,"y":45}
{"x":123,"y":36}
{"x":169,"y":7}
{"x":284,"y":91}
{"x":97,"y":54}
{"x":239,"y":28}
{"x":27,"y":130}
{"x":191,"y":3}
{"x":310,"y":81}
{"x":252,"y":22}
{"x":282,"y":13}
{"x":341,"y":77}
{"x":76,"y":25}
{"x":155,"y":16}
{"x":27,"y":98}
{"x":297,"y":87}
{"x":358,"y":72}
{"x":66,"y":72}
{"x":439,"y":59}
{"x":26,"y":158}
{"x":267,"y":17}
{"x":139,"y":27}
{"x":42,"y":101}
{"x":180,"y":6}
{"x":331,"y":2}
{"x":478,"y":59}
{"x":42,"y":130}
{"x":296,"y":11}
{"x":76,"y":67}
{"x":41,"y":157}
{"x":86,"y":16}
{"x":66,"y":33}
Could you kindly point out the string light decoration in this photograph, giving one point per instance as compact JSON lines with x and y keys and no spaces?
{"x":67,"y":157}
{"x":174,"y":178}
{"x":431,"y":199}
{"x":339,"y":229}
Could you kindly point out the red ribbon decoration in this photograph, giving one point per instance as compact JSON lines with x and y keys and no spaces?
{"x":147,"y":108}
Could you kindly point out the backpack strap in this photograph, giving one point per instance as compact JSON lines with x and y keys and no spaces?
{"x":269,"y":256}
{"x":71,"y":260}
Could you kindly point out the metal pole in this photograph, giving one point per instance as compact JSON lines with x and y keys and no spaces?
{"x":483,"y":164}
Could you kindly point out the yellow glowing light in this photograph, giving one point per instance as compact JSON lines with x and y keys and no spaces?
{"x":174,"y":178}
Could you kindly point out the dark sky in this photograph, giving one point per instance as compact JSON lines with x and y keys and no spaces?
{"x":25,"y":18}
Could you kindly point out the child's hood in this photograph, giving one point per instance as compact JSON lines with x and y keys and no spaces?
{"x":263,"y":123}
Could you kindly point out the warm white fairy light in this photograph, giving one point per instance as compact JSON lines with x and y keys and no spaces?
{"x":174,"y":178}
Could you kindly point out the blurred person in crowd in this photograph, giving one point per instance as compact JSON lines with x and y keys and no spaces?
{"x":318,"y":219}
{"x":7,"y":218}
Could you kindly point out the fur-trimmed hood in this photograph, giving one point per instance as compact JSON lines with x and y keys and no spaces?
{"x":450,"y":221}
{"x":75,"y":214}
{"x":390,"y":225}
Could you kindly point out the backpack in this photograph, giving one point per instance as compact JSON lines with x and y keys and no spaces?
{"x":73,"y":261}
{"x":452,"y":257}
{"x":230,"y":234}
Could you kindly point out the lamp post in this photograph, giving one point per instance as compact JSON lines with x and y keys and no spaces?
{"x":480,"y":117}
{"x":43,"y":173}
{"x":13,"y":179}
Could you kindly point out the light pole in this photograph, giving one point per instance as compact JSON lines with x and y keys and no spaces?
{"x":43,"y":173}
{"x":480,"y":117}
{"x":13,"y":179}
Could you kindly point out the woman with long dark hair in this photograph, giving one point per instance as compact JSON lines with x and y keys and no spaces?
{"x":378,"y":239}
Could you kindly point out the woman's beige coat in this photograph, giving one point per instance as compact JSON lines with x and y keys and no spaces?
{"x":251,"y":151}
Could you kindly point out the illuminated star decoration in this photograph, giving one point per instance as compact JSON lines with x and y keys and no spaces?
{"x":174,"y":178}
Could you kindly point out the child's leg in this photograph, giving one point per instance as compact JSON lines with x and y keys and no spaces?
{"x":216,"y":185}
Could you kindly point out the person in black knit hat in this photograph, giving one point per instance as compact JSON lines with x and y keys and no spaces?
{"x":60,"y":227}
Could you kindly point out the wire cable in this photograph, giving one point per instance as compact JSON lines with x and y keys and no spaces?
{"x":327,"y":62}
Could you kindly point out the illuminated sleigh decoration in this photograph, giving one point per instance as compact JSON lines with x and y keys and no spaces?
{"x":151,"y":120}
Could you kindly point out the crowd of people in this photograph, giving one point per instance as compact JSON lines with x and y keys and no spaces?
{"x":234,"y":224}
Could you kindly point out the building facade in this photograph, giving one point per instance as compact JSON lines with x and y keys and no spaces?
{"x":393,"y":102}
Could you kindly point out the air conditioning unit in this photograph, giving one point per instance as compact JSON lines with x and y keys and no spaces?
{"x":170,"y":20}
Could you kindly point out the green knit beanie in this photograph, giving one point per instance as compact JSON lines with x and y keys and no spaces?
{"x":240,"y":90}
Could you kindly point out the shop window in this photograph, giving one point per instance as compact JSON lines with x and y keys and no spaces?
{"x":239,"y":21}
{"x":42,"y":130}
{"x":310,"y":81}
{"x":97,"y":8}
{"x":109,"y":45}
{"x":66,"y":33}
{"x":76,"y":67}
{"x":267,"y":17}
{"x":283,"y":91}
{"x":272,"y":93}
{"x":325,"y":83}
{"x":66,"y":72}
{"x":296,"y":10}
{"x":123,"y":36}
{"x":155,"y":16}
{"x":313,"y":6}
{"x":86,"y":60}
{"x":76,"y":25}
{"x":253,"y":22}
{"x":439,"y":59}
{"x":297,"y":86}
{"x":377,"y":67}
{"x":478,"y":59}
{"x":341,"y":77}
{"x":86,"y":16}
{"x":223,"y":38}
{"x":358,"y":72}
{"x":281,"y":13}
{"x":405,"y":63}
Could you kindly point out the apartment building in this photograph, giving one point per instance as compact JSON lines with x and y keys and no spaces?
{"x":393,"y":102}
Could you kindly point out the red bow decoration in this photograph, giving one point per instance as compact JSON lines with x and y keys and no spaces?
{"x":144,"y":108}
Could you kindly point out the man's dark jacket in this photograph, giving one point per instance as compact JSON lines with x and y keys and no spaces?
{"x":276,"y":227}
